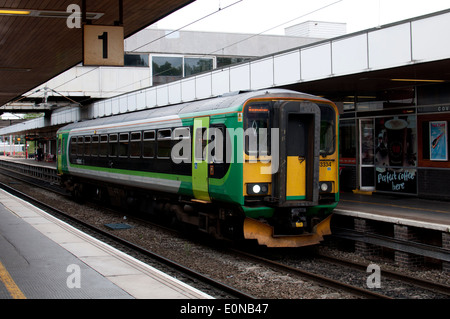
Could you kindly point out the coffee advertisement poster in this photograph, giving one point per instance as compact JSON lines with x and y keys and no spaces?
{"x":396,"y":154}
{"x":438,"y":141}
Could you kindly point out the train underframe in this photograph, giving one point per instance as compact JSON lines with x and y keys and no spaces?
{"x":220,"y":220}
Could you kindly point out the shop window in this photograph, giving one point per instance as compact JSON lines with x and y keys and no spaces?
{"x":166,"y":69}
{"x":196,"y":65}
{"x":433,"y":94}
{"x":395,"y":141}
{"x":347,"y":142}
{"x":225,"y":61}
{"x":136,"y":60}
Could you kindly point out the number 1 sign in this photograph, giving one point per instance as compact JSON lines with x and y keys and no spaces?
{"x":103,"y":45}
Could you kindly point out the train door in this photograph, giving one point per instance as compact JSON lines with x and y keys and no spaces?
{"x":299,"y":154}
{"x":61,"y":158}
{"x":366,"y":156}
{"x":200,"y":161}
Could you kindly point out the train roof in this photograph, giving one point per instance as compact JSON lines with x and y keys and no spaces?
{"x":219,"y":103}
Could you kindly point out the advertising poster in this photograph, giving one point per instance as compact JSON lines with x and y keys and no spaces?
{"x":395,"y":143}
{"x":438,"y":141}
{"x":396,"y":154}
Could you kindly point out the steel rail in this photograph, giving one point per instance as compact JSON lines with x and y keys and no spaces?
{"x":314,"y":277}
{"x":190,"y":272}
{"x":418,"y":282}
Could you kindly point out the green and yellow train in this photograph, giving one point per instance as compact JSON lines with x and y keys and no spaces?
{"x":256,"y":165}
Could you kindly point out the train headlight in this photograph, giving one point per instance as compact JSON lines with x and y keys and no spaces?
{"x":257,"y":188}
{"x":325,"y":187}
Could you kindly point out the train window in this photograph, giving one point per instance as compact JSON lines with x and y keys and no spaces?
{"x":73,"y":146}
{"x":182,"y":133}
{"x":164,"y":143}
{"x":103,"y":150}
{"x":94,"y":145}
{"x":148,"y":145}
{"x":87,"y":146}
{"x":123,"y":144}
{"x":135,"y":144}
{"x":113,"y":146}
{"x":327,"y":129}
{"x":80,"y":146}
{"x":257,"y":129}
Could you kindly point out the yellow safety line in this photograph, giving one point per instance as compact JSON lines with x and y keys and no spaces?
{"x":9,"y":283}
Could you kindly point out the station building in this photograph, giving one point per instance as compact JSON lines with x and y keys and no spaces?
{"x":392,"y":84}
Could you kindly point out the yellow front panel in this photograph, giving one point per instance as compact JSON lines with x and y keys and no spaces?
{"x":295,"y":178}
{"x":256,"y":173}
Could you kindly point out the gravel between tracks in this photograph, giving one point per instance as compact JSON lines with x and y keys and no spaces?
{"x":256,"y":280}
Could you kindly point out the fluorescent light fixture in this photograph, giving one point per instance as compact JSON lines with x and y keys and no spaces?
{"x":46,"y":14}
{"x":418,"y":80}
{"x":14,"y":12}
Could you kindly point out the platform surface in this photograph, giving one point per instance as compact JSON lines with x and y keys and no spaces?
{"x":410,"y":211}
{"x":42,"y":257}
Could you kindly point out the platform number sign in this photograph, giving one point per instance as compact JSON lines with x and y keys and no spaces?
{"x":103,"y":45}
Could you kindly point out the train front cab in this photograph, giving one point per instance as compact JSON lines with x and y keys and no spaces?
{"x":289,"y":202}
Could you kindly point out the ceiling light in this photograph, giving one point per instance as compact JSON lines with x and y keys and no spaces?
{"x":47,"y":14}
{"x":14,"y":12}
{"x":417,"y":80}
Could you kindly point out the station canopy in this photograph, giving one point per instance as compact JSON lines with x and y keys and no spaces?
{"x":36,"y":43}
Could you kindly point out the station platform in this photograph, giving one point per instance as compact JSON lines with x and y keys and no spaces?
{"x":42,"y":257}
{"x":28,"y":161}
{"x":394,"y":209}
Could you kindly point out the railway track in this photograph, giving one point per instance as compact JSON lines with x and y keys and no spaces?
{"x":351,"y":276}
{"x":324,"y":279}
{"x":142,"y":252}
{"x":424,"y":284}
{"x":330,"y":282}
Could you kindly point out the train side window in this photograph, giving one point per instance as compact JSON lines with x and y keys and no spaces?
{"x":103,"y":151}
{"x":182,"y":133}
{"x":80,"y":146}
{"x":87,"y":146}
{"x":123,"y":144}
{"x":113,"y":147}
{"x":257,"y":129}
{"x":148,"y":145}
{"x":164,"y":140}
{"x":94,"y":145}
{"x":135,"y":144}
{"x":327,"y":130}
{"x":73,"y":146}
